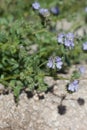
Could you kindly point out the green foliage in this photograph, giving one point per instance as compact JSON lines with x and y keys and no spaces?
{"x":75,"y":75}
{"x":21,"y":28}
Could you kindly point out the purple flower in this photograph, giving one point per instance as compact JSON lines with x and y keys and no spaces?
{"x":69,"y":40}
{"x":55,"y":62}
{"x":82,"y":69}
{"x":51,"y":63}
{"x":61,"y":38}
{"x":73,"y":86}
{"x":84,"y":46}
{"x":66,"y":39}
{"x":36,"y":5}
{"x":44,"y":12}
{"x":69,"y":43}
{"x":70,"y":36}
{"x":86,"y":9}
{"x":59,"y":62}
{"x":54,"y":10}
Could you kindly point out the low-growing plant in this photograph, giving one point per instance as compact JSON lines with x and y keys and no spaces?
{"x":31,"y":47}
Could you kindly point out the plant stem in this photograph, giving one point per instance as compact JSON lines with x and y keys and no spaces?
{"x":39,"y":31}
{"x":9,"y":77}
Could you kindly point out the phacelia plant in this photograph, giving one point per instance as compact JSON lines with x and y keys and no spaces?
{"x":31,"y":46}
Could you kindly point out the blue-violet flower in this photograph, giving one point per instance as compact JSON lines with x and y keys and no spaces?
{"x":70,"y":36}
{"x":69,"y":40}
{"x":59,"y":62}
{"x":68,"y":43}
{"x":73,"y":86}
{"x":54,"y":10}
{"x":86,"y":9}
{"x":84,"y":46}
{"x":51,"y":63}
{"x":81,"y":69}
{"x":55,"y":62}
{"x":44,"y":12}
{"x":36,"y":5}
{"x":66,"y":39}
{"x":61,"y":38}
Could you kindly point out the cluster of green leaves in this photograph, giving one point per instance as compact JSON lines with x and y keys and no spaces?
{"x":21,"y":29}
{"x":18,"y":67}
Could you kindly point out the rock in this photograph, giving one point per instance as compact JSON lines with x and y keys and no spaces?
{"x":81,"y":31}
{"x":35,"y":97}
{"x":63,"y":25}
{"x":1,"y":88}
{"x":52,"y":113}
{"x":49,"y":81}
{"x":33,"y":48}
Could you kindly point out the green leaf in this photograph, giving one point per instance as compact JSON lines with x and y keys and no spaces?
{"x":75,"y":75}
{"x":16,"y":91}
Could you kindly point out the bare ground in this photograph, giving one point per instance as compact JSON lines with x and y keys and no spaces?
{"x":55,"y":110}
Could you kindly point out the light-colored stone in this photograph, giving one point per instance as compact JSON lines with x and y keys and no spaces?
{"x":35,"y":97}
{"x":33,"y":48}
{"x":49,"y":81}
{"x":63,"y":25}
{"x":33,"y":114}
{"x":1,"y":87}
{"x":81,"y":31}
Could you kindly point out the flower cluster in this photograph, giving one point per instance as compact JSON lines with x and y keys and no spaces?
{"x":73,"y":86}
{"x":36,"y":5}
{"x":66,"y":39}
{"x":55,"y":62}
{"x":43,"y":11}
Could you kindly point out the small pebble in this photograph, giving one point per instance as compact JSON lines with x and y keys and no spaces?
{"x":36,"y":98}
